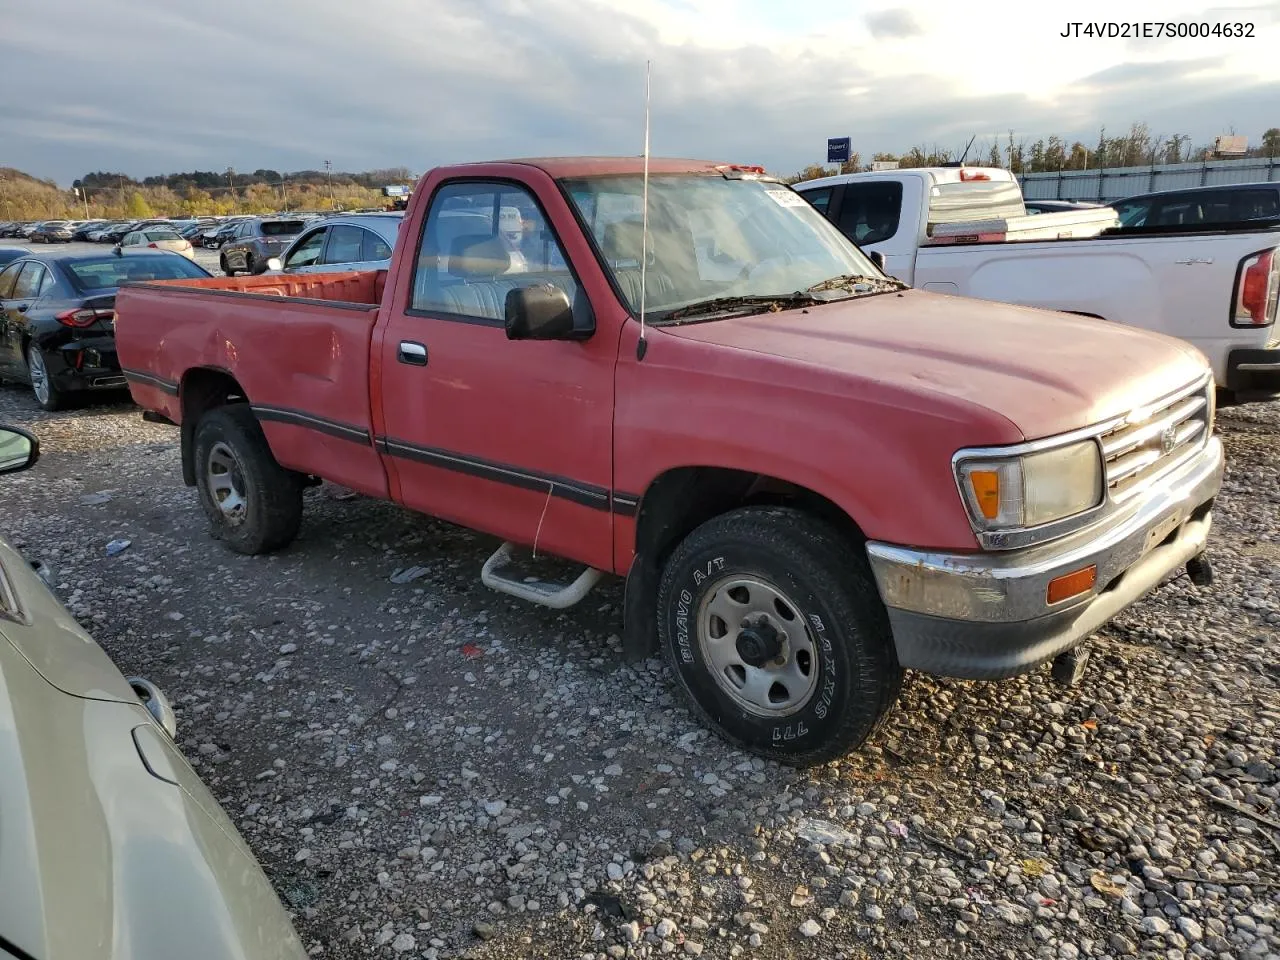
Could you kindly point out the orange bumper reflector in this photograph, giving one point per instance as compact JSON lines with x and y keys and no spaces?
{"x":1072,"y":584}
{"x":986,"y":489}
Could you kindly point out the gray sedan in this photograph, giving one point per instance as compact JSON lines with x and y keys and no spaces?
{"x":358,"y":241}
{"x":110,"y":846}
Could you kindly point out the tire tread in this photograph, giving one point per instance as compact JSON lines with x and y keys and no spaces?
{"x":279,"y":490}
{"x":803,"y":541}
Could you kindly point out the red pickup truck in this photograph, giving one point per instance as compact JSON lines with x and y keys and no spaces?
{"x":811,"y":476}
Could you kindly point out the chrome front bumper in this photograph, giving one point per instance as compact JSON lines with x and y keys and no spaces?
{"x":985,"y":616}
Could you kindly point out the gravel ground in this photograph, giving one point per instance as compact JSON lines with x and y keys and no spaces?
{"x":429,"y":769}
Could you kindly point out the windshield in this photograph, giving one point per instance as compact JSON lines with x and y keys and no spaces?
{"x":110,"y":272}
{"x":711,"y":237}
{"x":161,"y":235}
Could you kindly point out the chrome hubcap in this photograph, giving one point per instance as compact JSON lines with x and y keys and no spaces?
{"x":39,"y":374}
{"x":226,"y":483}
{"x":757,"y":646}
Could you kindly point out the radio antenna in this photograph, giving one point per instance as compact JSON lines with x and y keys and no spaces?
{"x":643,"y":345}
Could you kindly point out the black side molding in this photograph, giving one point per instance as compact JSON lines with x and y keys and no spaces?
{"x":152,"y":417}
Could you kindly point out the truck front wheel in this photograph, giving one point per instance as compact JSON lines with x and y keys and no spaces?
{"x":772,"y":623}
{"x":253,"y":503}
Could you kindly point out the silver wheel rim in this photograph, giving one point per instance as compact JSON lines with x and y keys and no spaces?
{"x":226,"y":483}
{"x":757,"y":646}
{"x":39,"y":374}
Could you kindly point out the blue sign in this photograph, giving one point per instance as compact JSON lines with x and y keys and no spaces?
{"x":838,"y":149}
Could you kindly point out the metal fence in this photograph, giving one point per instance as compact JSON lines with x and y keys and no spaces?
{"x":1121,"y":182}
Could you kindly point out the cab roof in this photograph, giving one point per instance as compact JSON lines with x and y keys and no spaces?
{"x":563,"y":167}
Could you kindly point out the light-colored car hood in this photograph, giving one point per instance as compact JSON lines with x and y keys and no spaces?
{"x":1045,"y":372}
{"x":111,"y":848}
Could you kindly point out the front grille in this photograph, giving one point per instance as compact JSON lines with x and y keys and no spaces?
{"x":1139,"y":450}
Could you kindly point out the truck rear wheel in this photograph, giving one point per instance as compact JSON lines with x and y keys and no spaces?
{"x":253,"y":503}
{"x":771,"y":621}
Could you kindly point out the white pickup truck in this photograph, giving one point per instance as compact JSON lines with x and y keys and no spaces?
{"x":961,"y":230}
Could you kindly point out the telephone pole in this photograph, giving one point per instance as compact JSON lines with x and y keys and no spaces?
{"x":328,"y":169}
{"x":231,"y":186}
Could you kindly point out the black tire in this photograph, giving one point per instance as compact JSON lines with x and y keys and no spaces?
{"x":828,"y":581}
{"x":251,"y":265}
{"x":271,"y":495}
{"x":226,"y":267}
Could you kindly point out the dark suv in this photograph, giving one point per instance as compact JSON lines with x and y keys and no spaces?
{"x":256,"y":241}
{"x":1229,"y":203}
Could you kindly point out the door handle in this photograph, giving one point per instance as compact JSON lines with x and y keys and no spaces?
{"x":412,"y":352}
{"x":22,"y":307}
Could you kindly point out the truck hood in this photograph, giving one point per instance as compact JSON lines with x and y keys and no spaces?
{"x":1046,"y":372}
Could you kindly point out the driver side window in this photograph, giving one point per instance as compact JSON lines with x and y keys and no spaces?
{"x":870,"y":212}
{"x":307,"y":252}
{"x":479,"y":242}
{"x":8,"y":278}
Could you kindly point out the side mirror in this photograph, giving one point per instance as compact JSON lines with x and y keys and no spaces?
{"x":274,"y":265}
{"x":18,"y":450}
{"x":541,"y":312}
{"x":878,"y":259}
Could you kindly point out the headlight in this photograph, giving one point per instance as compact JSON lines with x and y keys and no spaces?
{"x":1012,"y":493}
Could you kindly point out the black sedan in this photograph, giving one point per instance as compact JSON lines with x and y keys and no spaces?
{"x":57,"y":318}
{"x":116,"y":233}
{"x":83,"y":230}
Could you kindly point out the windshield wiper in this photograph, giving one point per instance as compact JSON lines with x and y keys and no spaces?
{"x":850,"y":281}
{"x":754,"y":304}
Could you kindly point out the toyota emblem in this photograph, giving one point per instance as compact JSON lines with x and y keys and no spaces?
{"x":1168,"y":437}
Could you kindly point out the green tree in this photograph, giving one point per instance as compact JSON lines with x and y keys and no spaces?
{"x":1055,"y":154}
{"x":1079,"y":158}
{"x":137,"y":207}
{"x":993,"y":157}
{"x":1271,"y":142}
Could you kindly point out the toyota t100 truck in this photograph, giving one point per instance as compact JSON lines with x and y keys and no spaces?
{"x":811,"y":477}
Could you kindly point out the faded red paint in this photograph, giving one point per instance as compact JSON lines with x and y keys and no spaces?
{"x":862,"y":401}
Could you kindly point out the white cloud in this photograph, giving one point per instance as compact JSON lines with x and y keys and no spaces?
{"x":413,"y":83}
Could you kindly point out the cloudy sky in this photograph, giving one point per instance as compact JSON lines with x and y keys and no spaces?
{"x":153,"y":86}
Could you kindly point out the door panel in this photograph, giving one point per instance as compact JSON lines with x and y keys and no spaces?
{"x":25,"y":293}
{"x":8,"y":341}
{"x":510,"y":437}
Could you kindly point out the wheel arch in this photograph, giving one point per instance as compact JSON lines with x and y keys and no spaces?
{"x":202,"y":389}
{"x":679,"y":500}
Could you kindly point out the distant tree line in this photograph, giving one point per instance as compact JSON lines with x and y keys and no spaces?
{"x":196,"y":193}
{"x":1136,"y":148}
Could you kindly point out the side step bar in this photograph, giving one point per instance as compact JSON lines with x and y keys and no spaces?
{"x":545,"y":593}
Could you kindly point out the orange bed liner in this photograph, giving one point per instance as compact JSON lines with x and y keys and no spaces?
{"x":353,"y":286}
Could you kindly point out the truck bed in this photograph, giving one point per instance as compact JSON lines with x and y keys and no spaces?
{"x":363,"y":287}
{"x":320,"y":325}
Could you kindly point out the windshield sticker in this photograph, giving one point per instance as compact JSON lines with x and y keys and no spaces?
{"x":787,"y":198}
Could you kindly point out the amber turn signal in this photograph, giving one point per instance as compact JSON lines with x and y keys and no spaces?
{"x":986,"y":491}
{"x":1072,"y":584}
